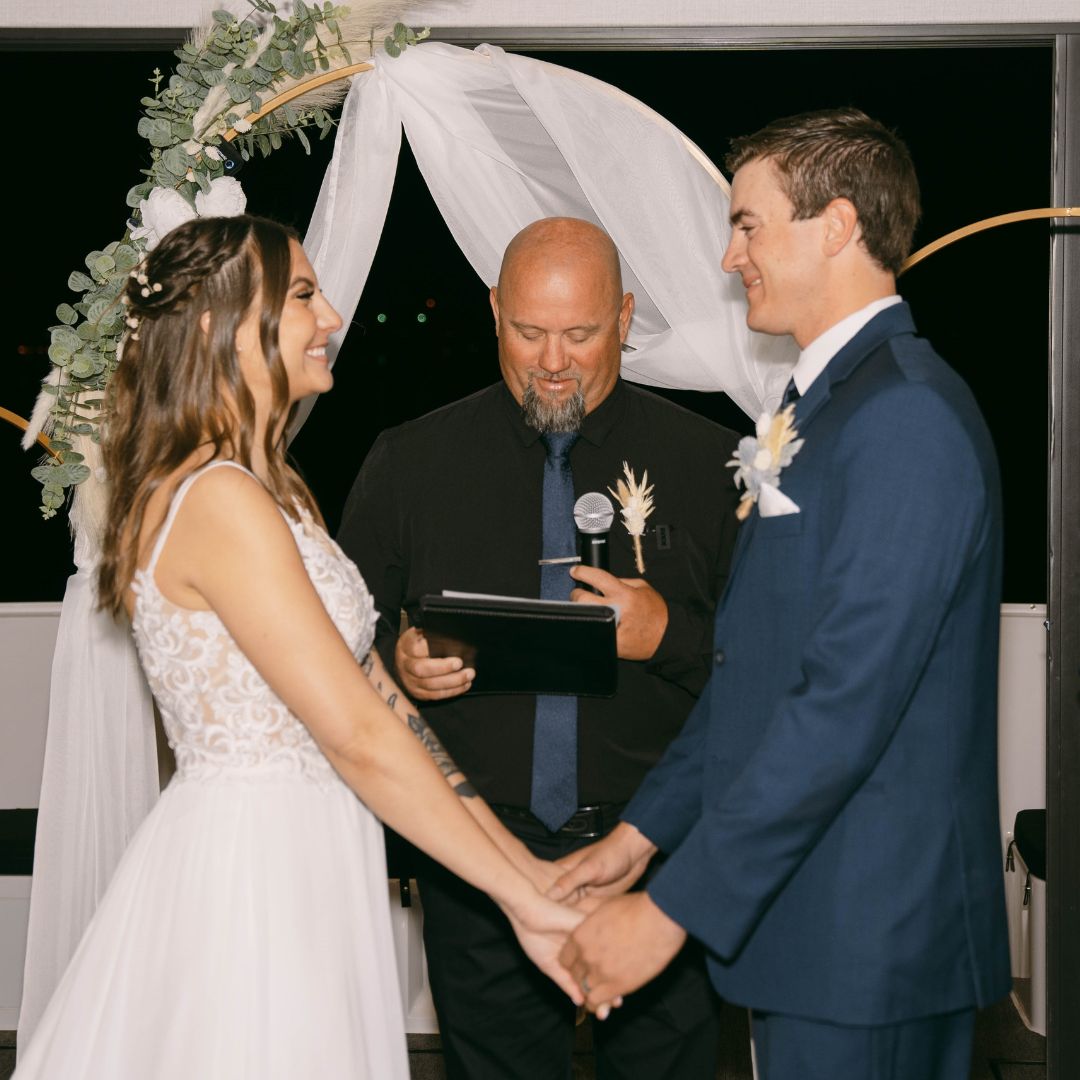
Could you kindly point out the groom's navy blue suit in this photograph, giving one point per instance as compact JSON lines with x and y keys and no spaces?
{"x":830,"y":808}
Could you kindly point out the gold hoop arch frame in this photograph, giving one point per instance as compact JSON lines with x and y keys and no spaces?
{"x":1049,"y":212}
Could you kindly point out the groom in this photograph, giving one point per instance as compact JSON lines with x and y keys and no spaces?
{"x":829,"y":811}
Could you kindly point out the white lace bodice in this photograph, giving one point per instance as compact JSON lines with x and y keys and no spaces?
{"x":219,"y":713}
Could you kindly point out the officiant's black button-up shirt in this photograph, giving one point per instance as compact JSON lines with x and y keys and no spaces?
{"x":453,"y":501}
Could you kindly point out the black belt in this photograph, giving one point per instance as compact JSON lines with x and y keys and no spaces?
{"x":587,"y":821}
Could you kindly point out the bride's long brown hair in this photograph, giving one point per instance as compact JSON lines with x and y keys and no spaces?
{"x":178,"y":388}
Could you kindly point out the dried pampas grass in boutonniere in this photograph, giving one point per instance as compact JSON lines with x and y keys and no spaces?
{"x":636,"y":502}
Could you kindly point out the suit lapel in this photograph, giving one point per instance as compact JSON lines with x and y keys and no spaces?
{"x":888,"y":323}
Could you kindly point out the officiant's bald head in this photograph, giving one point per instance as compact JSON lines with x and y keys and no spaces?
{"x":561,"y":318}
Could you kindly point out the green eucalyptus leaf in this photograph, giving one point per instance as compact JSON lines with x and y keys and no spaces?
{"x":182,"y":130}
{"x":390,"y":47}
{"x":67,"y":314}
{"x":43,"y":473}
{"x":81,"y":367}
{"x":203,"y":181}
{"x":270,"y":59}
{"x":97,"y":309}
{"x":176,"y":160}
{"x":303,"y":140}
{"x":64,"y":337}
{"x":237,"y":92}
{"x":73,"y":457}
{"x":156,"y":132}
{"x":79,"y":282}
{"x":59,"y":355}
{"x":224,"y":18}
{"x":292,"y":63}
{"x":137,"y":194}
{"x":126,"y":258}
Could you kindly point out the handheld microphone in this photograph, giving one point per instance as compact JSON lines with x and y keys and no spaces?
{"x":593,"y":515}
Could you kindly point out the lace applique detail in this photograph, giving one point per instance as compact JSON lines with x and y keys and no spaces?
{"x":219,"y":714}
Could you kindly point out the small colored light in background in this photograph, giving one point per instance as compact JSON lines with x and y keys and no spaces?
{"x":381,"y":317}
{"x":421,"y":317}
{"x":429,"y":303}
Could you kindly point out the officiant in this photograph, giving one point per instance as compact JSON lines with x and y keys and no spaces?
{"x":472,"y":497}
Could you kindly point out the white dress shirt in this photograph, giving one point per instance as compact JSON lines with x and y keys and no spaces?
{"x":816,"y":356}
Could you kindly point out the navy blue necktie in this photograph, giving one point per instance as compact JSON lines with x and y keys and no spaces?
{"x":554,"y":771}
{"x":791,"y":393}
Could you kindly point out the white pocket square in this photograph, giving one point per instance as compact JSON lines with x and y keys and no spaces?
{"x":772,"y":502}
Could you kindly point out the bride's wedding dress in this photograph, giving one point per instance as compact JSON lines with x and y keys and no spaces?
{"x":246,"y":932}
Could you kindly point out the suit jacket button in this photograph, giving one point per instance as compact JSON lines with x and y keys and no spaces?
{"x":720,"y":658}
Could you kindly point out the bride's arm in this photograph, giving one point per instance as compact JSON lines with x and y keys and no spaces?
{"x":231,"y":550}
{"x":540,"y":872}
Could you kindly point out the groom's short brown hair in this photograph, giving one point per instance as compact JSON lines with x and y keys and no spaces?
{"x":842,"y":153}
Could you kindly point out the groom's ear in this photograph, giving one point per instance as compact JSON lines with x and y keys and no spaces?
{"x":841,"y":225}
{"x":493,"y":297}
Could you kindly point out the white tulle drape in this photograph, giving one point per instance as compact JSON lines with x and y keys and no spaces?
{"x":501,"y":140}
{"x":100,"y":780}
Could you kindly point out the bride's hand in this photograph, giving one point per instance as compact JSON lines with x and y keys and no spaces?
{"x":542,"y":927}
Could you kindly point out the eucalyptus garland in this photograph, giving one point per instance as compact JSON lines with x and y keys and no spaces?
{"x":200,"y":125}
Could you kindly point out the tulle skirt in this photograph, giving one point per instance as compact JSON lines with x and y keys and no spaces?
{"x":246,"y":934}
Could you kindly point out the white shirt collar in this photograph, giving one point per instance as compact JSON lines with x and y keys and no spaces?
{"x":815,"y":357}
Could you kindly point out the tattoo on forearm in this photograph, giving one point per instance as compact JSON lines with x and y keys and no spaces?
{"x":446,"y":764}
{"x":392,"y":700}
{"x":367,"y":665}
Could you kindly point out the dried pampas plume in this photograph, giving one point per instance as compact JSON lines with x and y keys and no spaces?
{"x":637,"y":504}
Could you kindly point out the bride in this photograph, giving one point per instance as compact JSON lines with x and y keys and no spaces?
{"x":246,"y":932}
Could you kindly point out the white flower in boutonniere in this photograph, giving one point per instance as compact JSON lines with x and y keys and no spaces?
{"x":636,"y":502}
{"x":759,"y":458}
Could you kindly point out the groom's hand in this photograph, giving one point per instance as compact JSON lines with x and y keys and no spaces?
{"x":620,"y":947}
{"x":425,"y":677}
{"x":607,"y":868}
{"x":643,"y":612}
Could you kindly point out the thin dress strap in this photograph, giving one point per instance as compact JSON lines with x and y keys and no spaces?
{"x":178,"y":498}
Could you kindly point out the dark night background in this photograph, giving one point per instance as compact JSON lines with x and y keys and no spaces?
{"x":977,"y":120}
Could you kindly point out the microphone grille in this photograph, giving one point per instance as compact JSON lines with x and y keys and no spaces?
{"x":593,"y":513}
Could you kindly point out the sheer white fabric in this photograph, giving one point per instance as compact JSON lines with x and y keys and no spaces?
{"x":503,"y":140}
{"x":246,"y":931}
{"x":99,"y":782}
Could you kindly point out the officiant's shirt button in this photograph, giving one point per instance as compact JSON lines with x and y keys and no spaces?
{"x":720,"y":658}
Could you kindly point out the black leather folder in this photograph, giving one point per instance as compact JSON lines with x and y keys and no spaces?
{"x":521,"y":646}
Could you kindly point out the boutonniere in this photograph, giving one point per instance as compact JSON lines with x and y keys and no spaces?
{"x":760,"y":457}
{"x":636,"y":502}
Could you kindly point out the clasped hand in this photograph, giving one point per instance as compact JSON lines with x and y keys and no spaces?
{"x":625,"y":939}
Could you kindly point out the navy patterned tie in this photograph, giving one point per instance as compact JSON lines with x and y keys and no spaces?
{"x":554,"y":771}
{"x":791,"y":393}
